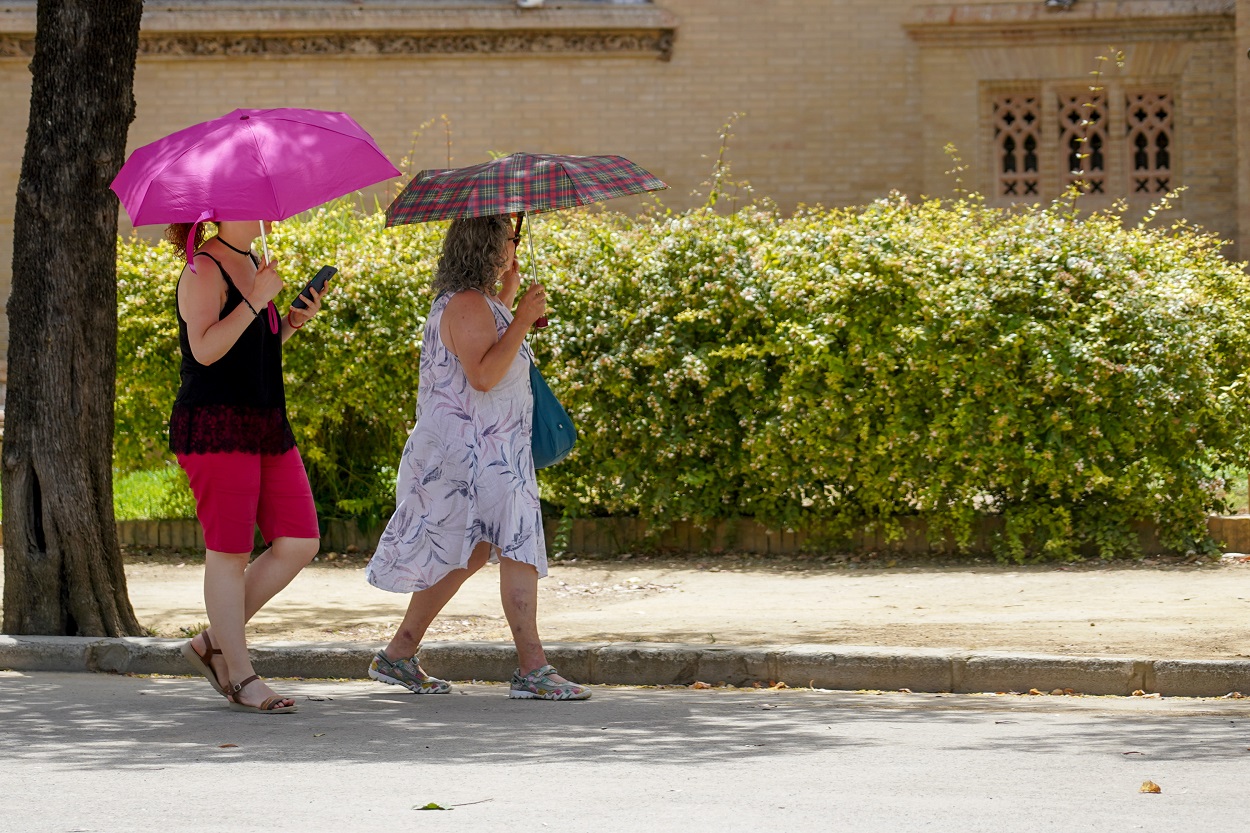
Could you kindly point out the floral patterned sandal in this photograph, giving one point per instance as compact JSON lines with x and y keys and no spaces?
{"x":538,"y":685}
{"x":406,"y":673}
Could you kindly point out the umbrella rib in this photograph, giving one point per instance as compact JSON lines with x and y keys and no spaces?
{"x":331,"y":129}
{"x":170,"y":162}
{"x":260,"y":158}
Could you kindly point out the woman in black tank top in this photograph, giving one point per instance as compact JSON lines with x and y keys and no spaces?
{"x":229,"y":431}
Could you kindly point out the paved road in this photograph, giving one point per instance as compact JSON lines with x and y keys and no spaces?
{"x":93,"y":752}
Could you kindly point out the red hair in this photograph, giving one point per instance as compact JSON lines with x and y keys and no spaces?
{"x":177,"y":233}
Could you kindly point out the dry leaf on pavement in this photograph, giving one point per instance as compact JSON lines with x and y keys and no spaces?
{"x":1150,"y":787}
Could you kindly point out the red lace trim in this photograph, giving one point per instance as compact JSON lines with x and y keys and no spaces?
{"x":213,"y":429}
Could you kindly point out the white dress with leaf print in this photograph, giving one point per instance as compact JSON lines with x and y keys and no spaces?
{"x":467,"y":472}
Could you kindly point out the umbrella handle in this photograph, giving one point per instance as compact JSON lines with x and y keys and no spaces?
{"x":264,"y":244}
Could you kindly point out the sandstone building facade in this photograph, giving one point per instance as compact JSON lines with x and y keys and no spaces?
{"x":841,"y":101}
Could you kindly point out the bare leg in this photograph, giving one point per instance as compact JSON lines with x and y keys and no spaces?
{"x":234,"y":591}
{"x":426,"y":604}
{"x":273,"y":570}
{"x":518,"y":590}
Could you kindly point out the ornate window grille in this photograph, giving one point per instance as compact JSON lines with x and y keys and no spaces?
{"x":1083,"y":140}
{"x":1047,"y":136}
{"x":1150,"y":146}
{"x":1017,"y":126}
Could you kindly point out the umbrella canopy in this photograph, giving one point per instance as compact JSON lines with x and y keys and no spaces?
{"x":250,"y":165}
{"x":523,"y":183}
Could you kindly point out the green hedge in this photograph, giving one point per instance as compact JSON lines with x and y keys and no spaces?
{"x":351,"y":375}
{"x":828,"y":371}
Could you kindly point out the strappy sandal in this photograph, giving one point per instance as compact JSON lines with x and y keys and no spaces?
{"x":204,"y":662}
{"x":270,"y":706}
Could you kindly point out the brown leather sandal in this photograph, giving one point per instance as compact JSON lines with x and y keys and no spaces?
{"x":270,"y":706}
{"x":204,"y":662}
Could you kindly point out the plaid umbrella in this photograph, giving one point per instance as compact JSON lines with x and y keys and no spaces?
{"x":523,"y":183}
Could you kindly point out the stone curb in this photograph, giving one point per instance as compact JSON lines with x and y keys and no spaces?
{"x":648,"y":663}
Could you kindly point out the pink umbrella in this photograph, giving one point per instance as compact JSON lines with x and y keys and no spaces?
{"x":249,"y":165}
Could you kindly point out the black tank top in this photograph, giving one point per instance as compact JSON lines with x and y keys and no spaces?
{"x":237,"y":403}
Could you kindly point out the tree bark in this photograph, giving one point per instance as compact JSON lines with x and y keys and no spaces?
{"x":62,"y":566}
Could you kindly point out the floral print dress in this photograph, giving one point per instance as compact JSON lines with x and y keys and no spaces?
{"x":467,"y":471}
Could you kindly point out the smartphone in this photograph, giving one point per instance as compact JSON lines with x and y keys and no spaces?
{"x":318,"y":283}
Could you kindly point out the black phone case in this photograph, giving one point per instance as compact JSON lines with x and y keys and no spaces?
{"x":318,"y":283}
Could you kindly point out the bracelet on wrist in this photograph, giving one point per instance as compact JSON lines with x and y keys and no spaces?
{"x":249,"y":306}
{"x":294,"y":326}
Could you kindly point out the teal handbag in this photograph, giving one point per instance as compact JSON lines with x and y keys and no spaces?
{"x":554,"y":434}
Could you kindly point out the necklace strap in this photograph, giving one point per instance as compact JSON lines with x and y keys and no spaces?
{"x":236,"y":249}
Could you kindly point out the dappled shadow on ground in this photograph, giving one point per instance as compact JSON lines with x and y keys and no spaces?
{"x":81,"y":721}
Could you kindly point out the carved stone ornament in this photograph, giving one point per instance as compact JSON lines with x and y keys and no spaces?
{"x":658,"y":43}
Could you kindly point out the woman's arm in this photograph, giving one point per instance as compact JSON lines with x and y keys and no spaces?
{"x":469,"y":331}
{"x":201,"y":296}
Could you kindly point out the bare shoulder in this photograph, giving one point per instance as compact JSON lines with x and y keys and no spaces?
{"x":468,"y":302}
{"x":204,"y":289}
{"x":469,"y":310}
{"x":468,"y":325}
{"x":206,"y":271}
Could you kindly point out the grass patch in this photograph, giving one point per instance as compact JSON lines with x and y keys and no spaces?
{"x":1237,"y":491}
{"x":153,"y":494}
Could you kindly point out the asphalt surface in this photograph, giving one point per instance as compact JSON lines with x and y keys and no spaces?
{"x":97,"y":753}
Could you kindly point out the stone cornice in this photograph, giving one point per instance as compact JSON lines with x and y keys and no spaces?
{"x":366,"y":44}
{"x":968,"y":24}
{"x":326,"y":28}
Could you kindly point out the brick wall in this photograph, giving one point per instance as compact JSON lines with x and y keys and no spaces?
{"x":843,"y":101}
{"x":968,"y":50}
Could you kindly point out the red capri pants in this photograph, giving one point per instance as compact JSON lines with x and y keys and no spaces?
{"x":236,"y":491}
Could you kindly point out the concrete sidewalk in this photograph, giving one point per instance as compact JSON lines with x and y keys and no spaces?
{"x":1167,"y":628}
{"x":846,"y":668}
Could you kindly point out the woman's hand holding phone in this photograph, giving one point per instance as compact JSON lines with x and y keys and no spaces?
{"x":308,"y":303}
{"x":317,"y":282}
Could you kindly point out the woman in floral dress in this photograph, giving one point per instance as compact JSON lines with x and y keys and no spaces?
{"x":466,"y":493}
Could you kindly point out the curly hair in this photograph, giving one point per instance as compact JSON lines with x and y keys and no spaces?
{"x":474,"y":254}
{"x":177,"y":233}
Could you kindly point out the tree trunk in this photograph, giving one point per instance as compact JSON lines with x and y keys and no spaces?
{"x":62,"y":566}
